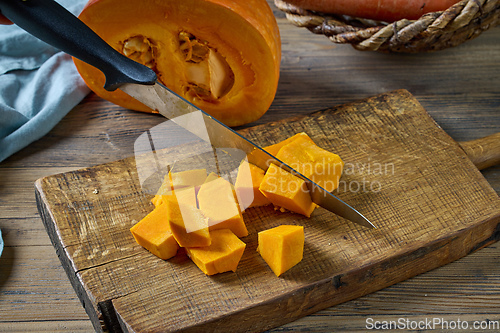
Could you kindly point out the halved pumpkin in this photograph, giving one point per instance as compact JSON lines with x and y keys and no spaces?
{"x":222,"y":55}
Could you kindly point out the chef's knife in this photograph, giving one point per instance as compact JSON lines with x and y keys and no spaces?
{"x":52,"y":23}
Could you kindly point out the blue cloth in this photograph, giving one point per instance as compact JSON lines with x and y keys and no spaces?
{"x":39,"y":85}
{"x":1,"y":242}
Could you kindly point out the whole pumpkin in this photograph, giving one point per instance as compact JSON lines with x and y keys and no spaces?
{"x":221,"y":55}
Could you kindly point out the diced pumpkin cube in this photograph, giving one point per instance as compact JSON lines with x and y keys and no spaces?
{"x":165,"y":189}
{"x":187,"y":223}
{"x":217,"y":201}
{"x":157,"y":200}
{"x":247,"y":186}
{"x":185,"y":195}
{"x":295,"y":156}
{"x":154,"y":234}
{"x":188,"y":178}
{"x":223,"y":254}
{"x":286,"y":191}
{"x":327,"y":167}
{"x":281,"y":247}
{"x":177,"y":181}
{"x":318,"y":164}
{"x":210,"y":177}
{"x":274,"y":149}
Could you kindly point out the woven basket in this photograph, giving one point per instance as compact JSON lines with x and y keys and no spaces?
{"x":434,"y":31}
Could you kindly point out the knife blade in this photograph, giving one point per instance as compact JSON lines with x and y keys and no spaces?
{"x":169,"y":104}
{"x":52,"y":23}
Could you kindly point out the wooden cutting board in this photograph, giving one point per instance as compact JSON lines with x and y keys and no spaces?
{"x":429,"y":202}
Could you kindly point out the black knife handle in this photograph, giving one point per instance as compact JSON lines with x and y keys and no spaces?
{"x":52,"y":23}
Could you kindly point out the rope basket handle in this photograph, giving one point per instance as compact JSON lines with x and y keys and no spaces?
{"x":432,"y":31}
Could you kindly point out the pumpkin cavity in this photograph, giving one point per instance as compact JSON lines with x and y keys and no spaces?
{"x":141,"y":49}
{"x":208,"y":75}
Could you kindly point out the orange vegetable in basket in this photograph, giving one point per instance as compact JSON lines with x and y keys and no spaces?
{"x":383,"y":10}
{"x":222,"y":55}
{"x":281,"y":247}
{"x":154,"y":234}
{"x":223,"y":254}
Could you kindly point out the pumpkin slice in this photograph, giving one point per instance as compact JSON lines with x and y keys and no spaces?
{"x":281,"y":247}
{"x":217,"y":201}
{"x":188,"y":224}
{"x":221,"y":55}
{"x":154,"y":234}
{"x":247,"y":185}
{"x":223,"y":254}
{"x":286,"y":191}
{"x":319,"y":165}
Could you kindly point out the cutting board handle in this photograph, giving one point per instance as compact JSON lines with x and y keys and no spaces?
{"x":483,"y":152}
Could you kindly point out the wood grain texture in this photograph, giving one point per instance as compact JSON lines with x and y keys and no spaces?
{"x":429,"y":202}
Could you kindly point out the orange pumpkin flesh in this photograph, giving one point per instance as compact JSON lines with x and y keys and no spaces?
{"x":286,"y":191}
{"x":281,"y":247}
{"x":154,"y":234}
{"x":319,"y":165}
{"x":247,"y":186}
{"x":187,"y":223}
{"x":178,"y":181}
{"x":222,"y":55}
{"x":204,"y":213}
{"x":222,"y":255}
{"x":218,"y":202}
{"x":274,"y":149}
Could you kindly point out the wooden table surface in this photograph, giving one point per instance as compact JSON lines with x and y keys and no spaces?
{"x":459,"y":87}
